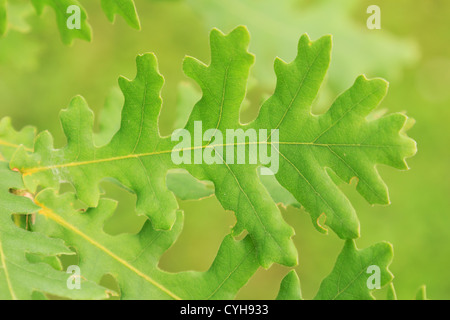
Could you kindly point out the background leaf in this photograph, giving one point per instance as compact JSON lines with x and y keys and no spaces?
{"x":10,"y":139}
{"x":13,"y":14}
{"x":60,"y":8}
{"x":125,"y":8}
{"x":20,"y":274}
{"x":133,"y":259}
{"x":375,"y":54}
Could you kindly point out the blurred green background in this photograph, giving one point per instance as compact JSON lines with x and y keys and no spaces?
{"x":39,"y":76}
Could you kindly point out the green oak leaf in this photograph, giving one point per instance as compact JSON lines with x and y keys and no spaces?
{"x":357,"y":49}
{"x":124,"y":8}
{"x":84,"y":164}
{"x":27,"y":259}
{"x":345,"y":142}
{"x":137,"y":145}
{"x":13,"y":16}
{"x":180,"y":182}
{"x":15,"y":13}
{"x":341,"y":140}
{"x":60,"y":8}
{"x":133,"y":259}
{"x":10,"y":139}
{"x":290,"y":287}
{"x":391,"y":293}
{"x":355,"y":155}
{"x":422,"y":293}
{"x":349,"y":277}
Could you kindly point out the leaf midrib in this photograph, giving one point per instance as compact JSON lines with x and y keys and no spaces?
{"x":13,"y":145}
{"x":34,"y":170}
{"x":352,"y":281}
{"x":47,"y":212}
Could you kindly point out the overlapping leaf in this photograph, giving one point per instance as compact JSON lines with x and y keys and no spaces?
{"x":235,"y":263}
{"x":342,"y":140}
{"x":124,"y":8}
{"x":60,"y":7}
{"x":421,"y":293}
{"x":21,"y":275}
{"x":278,"y":22}
{"x":10,"y":139}
{"x":133,"y":259}
{"x":349,"y":278}
{"x":350,"y":275}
